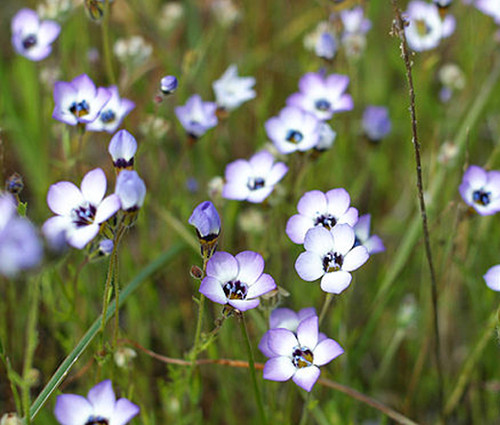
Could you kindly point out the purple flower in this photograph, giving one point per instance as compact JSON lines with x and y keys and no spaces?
{"x":331,"y":256}
{"x":232,"y":90}
{"x":112,"y":114}
{"x":321,"y":209}
{"x":100,"y":407}
{"x":322,"y":96}
{"x":373,"y":243}
{"x":80,"y":212}
{"x":326,"y":137}
{"x":197,"y":116}
{"x":492,"y":278}
{"x":326,"y":45}
{"x":426,"y":28}
{"x":20,"y":248}
{"x":122,"y":149}
{"x":376,"y":122}
{"x":489,"y":7}
{"x":287,"y":319}
{"x":481,"y":190}
{"x":131,"y":190}
{"x":237,"y":281}
{"x":31,"y":37}
{"x":253,"y":180}
{"x":206,"y":220}
{"x":293,"y":130}
{"x":78,"y":101}
{"x":299,"y":356}
{"x":354,"y":21}
{"x":168,"y":84}
{"x":106,"y":247}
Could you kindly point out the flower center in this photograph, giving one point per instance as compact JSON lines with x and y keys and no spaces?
{"x":326,"y":220}
{"x":235,"y":290}
{"x":83,"y":215}
{"x":322,"y":105}
{"x":481,"y":197}
{"x":97,"y":420}
{"x":302,"y":357}
{"x":108,"y":116}
{"x":332,"y":262}
{"x":255,"y":183}
{"x":79,"y":109}
{"x":422,"y":27}
{"x":29,"y":41}
{"x":294,"y":136}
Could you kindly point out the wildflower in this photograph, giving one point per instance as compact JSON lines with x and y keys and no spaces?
{"x":354,"y":21}
{"x":287,"y":319}
{"x":373,"y":243}
{"x":326,"y":137}
{"x":293,"y":130}
{"x":100,"y":407}
{"x":112,"y":114}
{"x":206,"y":220}
{"x":80,"y":212}
{"x":481,"y":190}
{"x":106,"y":247}
{"x":197,"y":116}
{"x":321,"y":209}
{"x":133,"y":51}
{"x":171,"y":13}
{"x":131,"y":190}
{"x":31,"y":37}
{"x":154,"y":127}
{"x":376,"y":122}
{"x":299,"y":356}
{"x":54,"y":9}
{"x":492,"y":278}
{"x":331,"y":256}
{"x":168,"y":84}
{"x":253,"y":180}
{"x":237,"y":281}
{"x":78,"y":101}
{"x":226,"y":12}
{"x":452,"y":78}
{"x":122,"y":149}
{"x":322,"y":41}
{"x":20,"y":248}
{"x":322,"y":95}
{"x":426,"y":28}
{"x":490,"y":8}
{"x":231,"y":90}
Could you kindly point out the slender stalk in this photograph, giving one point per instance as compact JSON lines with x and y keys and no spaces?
{"x":106,"y":46}
{"x":399,"y":30}
{"x":119,"y":235}
{"x":63,"y":370}
{"x":305,"y":410}
{"x":31,"y":343}
{"x":324,"y":309}
{"x":251,"y":365}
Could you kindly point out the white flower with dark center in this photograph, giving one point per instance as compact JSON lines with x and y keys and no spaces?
{"x":331,"y":256}
{"x":196,"y":116}
{"x":321,"y":209}
{"x":372,"y":243}
{"x":80,"y":212}
{"x":231,"y":90}
{"x":99,"y":408}
{"x":426,"y":28}
{"x":238,"y":281}
{"x":253,"y":180}
{"x":481,"y":190}
{"x":31,"y":37}
{"x":112,"y":114}
{"x":293,"y":130}
{"x":299,"y":356}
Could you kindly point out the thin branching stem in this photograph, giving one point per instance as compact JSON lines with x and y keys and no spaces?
{"x":399,"y":25}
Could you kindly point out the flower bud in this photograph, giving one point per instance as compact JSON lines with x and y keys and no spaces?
{"x":106,"y":247}
{"x":207,"y":222}
{"x":168,"y":84}
{"x":122,"y":149}
{"x":131,"y":190}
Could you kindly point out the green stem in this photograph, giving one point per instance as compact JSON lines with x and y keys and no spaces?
{"x":197,"y":334}
{"x":63,"y":370}
{"x":31,"y":343}
{"x":324,"y":309}
{"x":251,"y":364}
{"x":305,"y":409}
{"x":105,"y":45}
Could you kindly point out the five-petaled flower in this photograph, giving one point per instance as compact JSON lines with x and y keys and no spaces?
{"x":80,"y":212}
{"x":112,"y":114}
{"x":253,"y":180}
{"x":372,"y":243}
{"x":322,"y":95}
{"x":197,"y":116}
{"x":237,"y":281}
{"x":99,"y":408}
{"x":78,"y":101}
{"x":31,"y":37}
{"x":331,"y":256}
{"x":299,"y":356}
{"x":321,"y":209}
{"x":481,"y":190}
{"x":232,"y":90}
